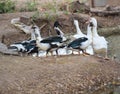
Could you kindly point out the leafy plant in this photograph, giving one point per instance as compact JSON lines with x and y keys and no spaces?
{"x":7,"y":6}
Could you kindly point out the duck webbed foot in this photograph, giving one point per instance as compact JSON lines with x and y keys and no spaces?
{"x":85,"y":53}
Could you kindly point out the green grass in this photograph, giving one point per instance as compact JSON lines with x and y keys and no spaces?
{"x":7,"y":6}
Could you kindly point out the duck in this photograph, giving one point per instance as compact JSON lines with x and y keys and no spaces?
{"x":47,"y":44}
{"x":25,"y":28}
{"x":99,"y":43}
{"x":79,"y":34}
{"x":79,"y":44}
{"x":59,"y":31}
{"x":26,"y":46}
{"x":62,"y":50}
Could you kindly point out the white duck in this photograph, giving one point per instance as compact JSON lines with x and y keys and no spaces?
{"x":79,"y":34}
{"x":25,"y":28}
{"x":99,"y":42}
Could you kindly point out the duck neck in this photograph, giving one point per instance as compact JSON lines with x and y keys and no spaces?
{"x":33,"y":35}
{"x":89,"y":33}
{"x":60,"y":31}
{"x":37,"y":34}
{"x":95,"y":31}
{"x":78,"y":29}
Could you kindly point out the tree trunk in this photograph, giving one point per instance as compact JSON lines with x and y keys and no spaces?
{"x":92,"y":3}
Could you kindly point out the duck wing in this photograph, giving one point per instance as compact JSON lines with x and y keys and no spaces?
{"x":52,"y":39}
{"x":77,"y":43}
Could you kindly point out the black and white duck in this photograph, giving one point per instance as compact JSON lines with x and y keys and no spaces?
{"x":79,"y":34}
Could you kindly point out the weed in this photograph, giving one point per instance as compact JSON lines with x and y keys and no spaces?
{"x":36,"y":15}
{"x":53,"y":6}
{"x":30,"y":6}
{"x":49,"y":16}
{"x":7,"y":6}
{"x":66,"y":12}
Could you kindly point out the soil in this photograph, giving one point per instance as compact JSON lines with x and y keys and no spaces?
{"x":72,"y":74}
{"x":55,"y":75}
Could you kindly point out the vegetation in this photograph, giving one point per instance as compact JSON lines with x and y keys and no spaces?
{"x":36,"y":15}
{"x":30,"y":6}
{"x":51,"y":6}
{"x":7,"y":6}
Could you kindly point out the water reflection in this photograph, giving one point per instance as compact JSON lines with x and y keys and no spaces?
{"x":116,"y":90}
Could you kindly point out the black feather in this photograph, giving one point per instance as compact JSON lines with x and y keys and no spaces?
{"x":52,"y":39}
{"x":31,"y":49}
{"x":28,"y":45}
{"x":77,"y":43}
{"x":57,"y":31}
{"x":91,"y":24}
{"x":26,"y":42}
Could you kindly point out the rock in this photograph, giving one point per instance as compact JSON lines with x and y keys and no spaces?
{"x":3,"y":47}
{"x":6,"y":51}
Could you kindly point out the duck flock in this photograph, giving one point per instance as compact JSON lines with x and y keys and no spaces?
{"x":87,"y":44}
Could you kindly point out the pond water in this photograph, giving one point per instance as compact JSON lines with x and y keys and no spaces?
{"x":114,"y":46}
{"x":109,"y":90}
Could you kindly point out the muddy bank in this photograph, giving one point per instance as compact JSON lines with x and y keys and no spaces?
{"x":13,"y":34}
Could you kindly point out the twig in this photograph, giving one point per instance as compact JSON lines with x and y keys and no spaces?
{"x":43,"y":26}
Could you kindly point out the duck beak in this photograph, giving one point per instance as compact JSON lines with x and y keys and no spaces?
{"x":88,"y":21}
{"x":56,"y":24}
{"x":60,"y":25}
{"x":91,"y":24}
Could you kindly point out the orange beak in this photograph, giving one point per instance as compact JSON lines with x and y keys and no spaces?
{"x":88,"y":21}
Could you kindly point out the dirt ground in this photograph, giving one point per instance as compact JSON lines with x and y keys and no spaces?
{"x":62,"y":75}
{"x":53,"y":75}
